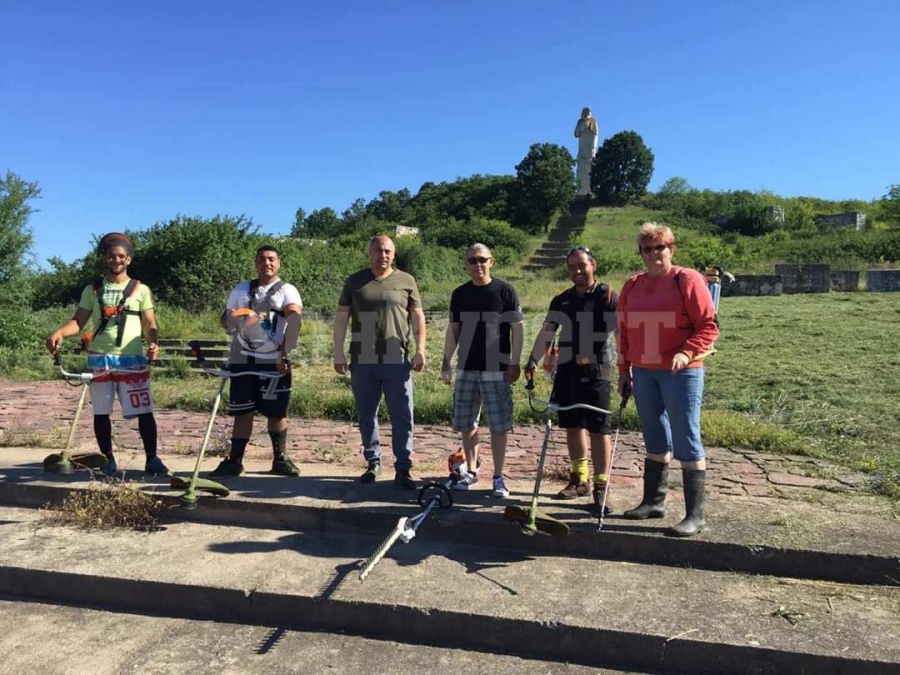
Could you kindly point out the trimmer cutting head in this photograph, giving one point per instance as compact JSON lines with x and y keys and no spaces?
{"x":533,"y":522}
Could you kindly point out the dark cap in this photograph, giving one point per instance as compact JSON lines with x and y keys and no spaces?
{"x":115,"y":239}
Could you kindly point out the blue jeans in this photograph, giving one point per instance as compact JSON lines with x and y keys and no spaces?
{"x":669,"y":407}
{"x":369,"y":381}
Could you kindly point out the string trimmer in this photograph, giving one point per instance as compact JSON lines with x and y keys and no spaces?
{"x":612,"y":457}
{"x":432,"y":494}
{"x":530,"y":519}
{"x":190,"y":487}
{"x":64,"y":463}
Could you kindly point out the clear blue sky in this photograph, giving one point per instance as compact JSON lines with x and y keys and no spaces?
{"x":128,"y":113}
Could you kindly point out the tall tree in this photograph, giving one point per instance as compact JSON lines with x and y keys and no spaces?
{"x":544,"y":184}
{"x":299,"y":227}
{"x":621,"y":169}
{"x":890,"y":204}
{"x":15,"y":235}
{"x":322,"y":224}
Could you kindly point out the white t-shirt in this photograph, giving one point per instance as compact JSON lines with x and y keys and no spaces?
{"x":263,"y":339}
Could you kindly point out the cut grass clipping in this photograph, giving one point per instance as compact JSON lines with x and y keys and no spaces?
{"x":105,"y":505}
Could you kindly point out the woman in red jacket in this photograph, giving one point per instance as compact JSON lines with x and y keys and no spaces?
{"x":667,"y":325}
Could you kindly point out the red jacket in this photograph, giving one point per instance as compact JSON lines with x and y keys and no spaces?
{"x":659,"y":317}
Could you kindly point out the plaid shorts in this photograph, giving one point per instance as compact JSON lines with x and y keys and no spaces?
{"x":488,"y":389}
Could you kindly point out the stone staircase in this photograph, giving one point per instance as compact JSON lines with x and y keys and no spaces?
{"x":214,"y":351}
{"x":552,"y":253}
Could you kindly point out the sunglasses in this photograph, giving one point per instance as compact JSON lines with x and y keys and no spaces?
{"x":657,"y":248}
{"x":478,"y":260}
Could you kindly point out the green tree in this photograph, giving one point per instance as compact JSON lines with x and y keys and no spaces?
{"x":15,"y":235}
{"x":299,"y":227}
{"x":391,"y":207}
{"x":545,"y":183}
{"x":193,"y":262}
{"x":890,"y":205}
{"x":322,"y":224}
{"x":477,"y":195}
{"x":61,"y":286}
{"x":670,"y":195}
{"x":621,"y":169}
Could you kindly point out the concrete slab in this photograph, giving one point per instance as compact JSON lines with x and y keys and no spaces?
{"x":844,"y":537}
{"x":430,"y":592}
{"x":43,"y":639}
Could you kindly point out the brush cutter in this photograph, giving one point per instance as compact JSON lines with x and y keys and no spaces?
{"x":65,"y":463}
{"x":530,"y":519}
{"x":432,"y":494}
{"x":189,"y":498}
{"x":612,"y":458}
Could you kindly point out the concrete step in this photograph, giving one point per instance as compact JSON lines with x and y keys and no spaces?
{"x":492,"y":598}
{"x":848,"y":548}
{"x":79,"y":640}
{"x":548,"y":260}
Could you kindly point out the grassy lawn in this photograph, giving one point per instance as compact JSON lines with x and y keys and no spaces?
{"x":812,"y":374}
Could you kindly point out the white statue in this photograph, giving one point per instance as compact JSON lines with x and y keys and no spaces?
{"x":586,"y":133}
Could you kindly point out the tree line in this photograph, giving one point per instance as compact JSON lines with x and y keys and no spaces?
{"x":188,"y":261}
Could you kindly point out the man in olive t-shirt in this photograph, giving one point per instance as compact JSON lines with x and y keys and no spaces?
{"x":382,"y":306}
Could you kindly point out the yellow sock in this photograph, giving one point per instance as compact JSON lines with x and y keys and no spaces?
{"x":601,"y":477}
{"x":580,"y":466}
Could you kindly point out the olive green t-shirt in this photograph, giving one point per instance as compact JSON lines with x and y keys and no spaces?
{"x":379,"y":315}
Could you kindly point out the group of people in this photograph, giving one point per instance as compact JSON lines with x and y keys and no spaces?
{"x":663,"y":321}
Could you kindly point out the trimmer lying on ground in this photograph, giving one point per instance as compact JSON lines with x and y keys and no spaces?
{"x":431,"y":495}
{"x":530,"y":519}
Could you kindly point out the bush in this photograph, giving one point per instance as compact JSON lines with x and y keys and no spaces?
{"x":427,"y":263}
{"x":506,"y":243}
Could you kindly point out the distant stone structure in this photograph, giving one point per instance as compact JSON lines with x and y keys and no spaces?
{"x":407,"y":231}
{"x":586,"y":132}
{"x":845,"y":281}
{"x":855,"y":220}
{"x":882,"y":281}
{"x":775,"y":213}
{"x":807,"y":278}
{"x":754,"y":285}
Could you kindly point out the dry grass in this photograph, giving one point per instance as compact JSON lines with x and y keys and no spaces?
{"x":105,"y":505}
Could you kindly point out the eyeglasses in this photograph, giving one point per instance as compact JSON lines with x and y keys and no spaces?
{"x":478,"y":260}
{"x":656,"y":248}
{"x":584,"y":249}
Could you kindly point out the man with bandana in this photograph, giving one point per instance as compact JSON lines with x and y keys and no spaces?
{"x":121,"y":310}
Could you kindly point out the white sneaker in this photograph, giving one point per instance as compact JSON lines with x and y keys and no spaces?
{"x":466,"y":480}
{"x":500,"y":488}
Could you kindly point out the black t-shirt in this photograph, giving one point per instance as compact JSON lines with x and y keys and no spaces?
{"x":485,"y":314}
{"x":586,"y":324}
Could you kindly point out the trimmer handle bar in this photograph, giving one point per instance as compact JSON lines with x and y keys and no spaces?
{"x":86,"y":378}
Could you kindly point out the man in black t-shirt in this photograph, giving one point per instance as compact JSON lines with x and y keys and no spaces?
{"x":486,"y":327}
{"x":585,"y":314}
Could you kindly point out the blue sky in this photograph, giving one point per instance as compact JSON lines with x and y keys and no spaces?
{"x":130,"y":113}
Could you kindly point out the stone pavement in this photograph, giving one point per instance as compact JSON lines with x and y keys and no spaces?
{"x":797,"y":571}
{"x":40,"y":414}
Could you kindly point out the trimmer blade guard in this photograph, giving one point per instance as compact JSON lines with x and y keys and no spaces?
{"x":203,"y":484}
{"x":542,"y":522}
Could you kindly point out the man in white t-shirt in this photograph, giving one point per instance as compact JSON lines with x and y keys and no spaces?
{"x":263,"y":319}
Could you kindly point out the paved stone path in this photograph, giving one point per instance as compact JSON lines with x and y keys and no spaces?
{"x":39,"y":415}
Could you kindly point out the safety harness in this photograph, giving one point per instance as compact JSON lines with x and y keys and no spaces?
{"x":117,"y":312}
{"x":265,"y":304}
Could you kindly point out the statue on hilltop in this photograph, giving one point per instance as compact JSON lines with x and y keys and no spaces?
{"x":586,"y":133}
